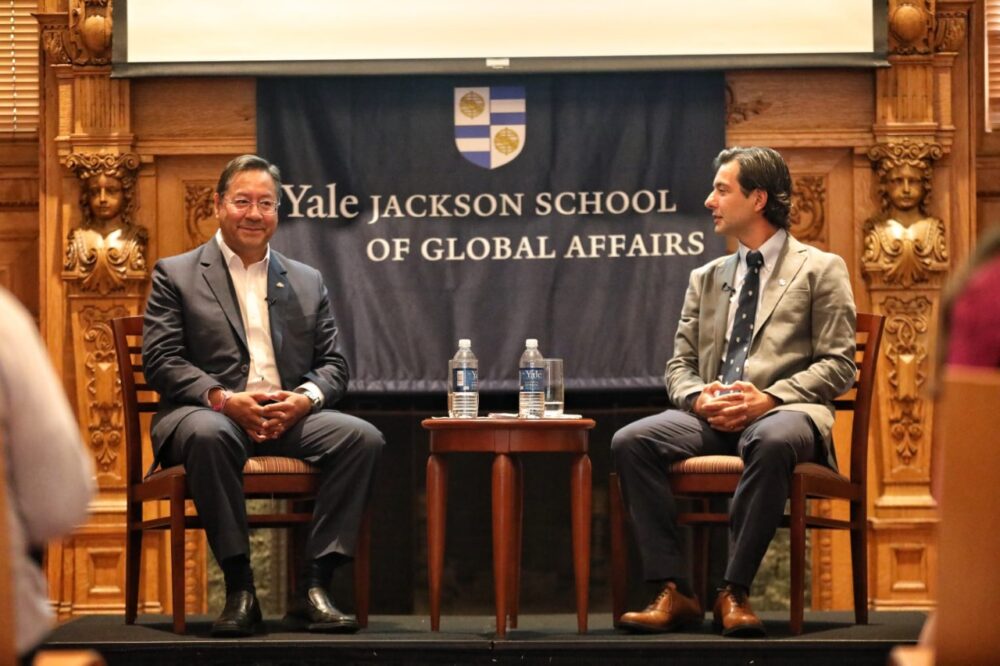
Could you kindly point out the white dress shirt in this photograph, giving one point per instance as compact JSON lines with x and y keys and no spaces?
{"x":770,"y":251}
{"x":50,"y":473}
{"x":250,"y":283}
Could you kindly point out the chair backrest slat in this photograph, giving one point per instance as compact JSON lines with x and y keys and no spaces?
{"x":129,"y":355}
{"x":869,"y":330}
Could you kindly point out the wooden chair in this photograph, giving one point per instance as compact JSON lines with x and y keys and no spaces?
{"x":706,"y":477}
{"x":264,"y":476}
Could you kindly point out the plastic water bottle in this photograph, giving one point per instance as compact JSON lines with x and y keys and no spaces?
{"x":531,"y":399}
{"x":463,"y":383}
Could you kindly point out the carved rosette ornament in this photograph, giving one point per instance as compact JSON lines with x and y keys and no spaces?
{"x":903,"y":245}
{"x":104,"y":393}
{"x":808,"y":214}
{"x":107,"y":250}
{"x":907,"y":321}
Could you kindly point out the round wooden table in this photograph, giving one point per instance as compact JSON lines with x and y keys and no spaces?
{"x":507,"y":439}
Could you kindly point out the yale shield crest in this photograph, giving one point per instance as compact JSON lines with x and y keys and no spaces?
{"x":490,"y":124}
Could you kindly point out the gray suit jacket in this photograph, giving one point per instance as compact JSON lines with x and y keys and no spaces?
{"x":193,"y":336}
{"x":802,"y":350}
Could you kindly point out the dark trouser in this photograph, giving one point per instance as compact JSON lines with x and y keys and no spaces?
{"x":214,"y":449}
{"x":770,"y":448}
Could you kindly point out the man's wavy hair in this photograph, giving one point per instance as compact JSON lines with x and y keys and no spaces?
{"x":763,"y":169}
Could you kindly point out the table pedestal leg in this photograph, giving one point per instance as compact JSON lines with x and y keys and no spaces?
{"x":513,"y":601}
{"x":437,"y":503}
{"x":503,"y":510}
{"x":580,"y":492}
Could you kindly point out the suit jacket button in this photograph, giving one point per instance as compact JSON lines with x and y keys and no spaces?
{"x":244,"y":368}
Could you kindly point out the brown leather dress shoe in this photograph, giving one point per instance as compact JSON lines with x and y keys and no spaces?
{"x":669,"y":611}
{"x":734,"y":616}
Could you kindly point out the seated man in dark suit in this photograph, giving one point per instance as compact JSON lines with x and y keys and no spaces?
{"x":240,"y":342}
{"x":764,"y":344}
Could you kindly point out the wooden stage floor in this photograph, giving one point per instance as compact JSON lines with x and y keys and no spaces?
{"x":829,"y":638}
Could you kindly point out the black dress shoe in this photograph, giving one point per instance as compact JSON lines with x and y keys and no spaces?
{"x":315,"y":612}
{"x":240,"y":617}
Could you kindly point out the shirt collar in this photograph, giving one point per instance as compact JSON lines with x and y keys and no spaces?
{"x":770,"y":249}
{"x":229,"y":255}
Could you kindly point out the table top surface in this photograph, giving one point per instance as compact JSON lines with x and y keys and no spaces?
{"x":488,"y":423}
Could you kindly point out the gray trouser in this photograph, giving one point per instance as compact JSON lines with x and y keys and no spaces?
{"x":214,"y":449}
{"x":770,"y":448}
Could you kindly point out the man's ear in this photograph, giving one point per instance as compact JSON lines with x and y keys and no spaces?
{"x":760,"y":200}
{"x":216,"y":201}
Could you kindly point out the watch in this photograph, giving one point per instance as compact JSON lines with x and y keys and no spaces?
{"x":315,"y":399}
{"x":222,"y":403}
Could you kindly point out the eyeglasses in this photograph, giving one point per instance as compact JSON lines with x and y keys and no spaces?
{"x":265,"y":206}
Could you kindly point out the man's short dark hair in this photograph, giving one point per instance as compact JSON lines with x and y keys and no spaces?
{"x":763,"y":169}
{"x":248,"y":163}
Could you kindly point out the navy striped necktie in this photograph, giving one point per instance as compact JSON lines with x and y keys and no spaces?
{"x":731,"y":368}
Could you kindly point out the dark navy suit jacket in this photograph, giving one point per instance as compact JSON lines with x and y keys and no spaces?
{"x":193,"y":336}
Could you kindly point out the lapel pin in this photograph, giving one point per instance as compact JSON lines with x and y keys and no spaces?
{"x":279,"y":285}
{"x":780,"y":282}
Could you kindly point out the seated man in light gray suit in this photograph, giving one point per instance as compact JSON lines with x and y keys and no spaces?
{"x":764,"y":344}
{"x":241,"y":345}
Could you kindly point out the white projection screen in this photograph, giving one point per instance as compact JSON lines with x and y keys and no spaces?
{"x":258,"y":37}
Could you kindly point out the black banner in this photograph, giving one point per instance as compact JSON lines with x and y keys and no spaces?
{"x":563,"y":208}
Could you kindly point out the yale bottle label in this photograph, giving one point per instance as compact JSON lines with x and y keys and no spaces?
{"x":532,"y":380}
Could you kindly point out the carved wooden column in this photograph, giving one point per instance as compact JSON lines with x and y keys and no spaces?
{"x":94,"y":268}
{"x":908,"y":250}
{"x":905,"y":261}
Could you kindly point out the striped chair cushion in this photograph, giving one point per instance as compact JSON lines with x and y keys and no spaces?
{"x":709,"y":465}
{"x":258,"y":465}
{"x":277,"y":465}
{"x":734,"y":465}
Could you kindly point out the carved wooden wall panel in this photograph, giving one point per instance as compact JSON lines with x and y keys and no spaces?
{"x":19,"y":257}
{"x":184,"y":188}
{"x":19,"y":223}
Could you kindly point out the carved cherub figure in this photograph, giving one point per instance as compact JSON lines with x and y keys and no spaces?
{"x":107,"y":248}
{"x":903,"y":242}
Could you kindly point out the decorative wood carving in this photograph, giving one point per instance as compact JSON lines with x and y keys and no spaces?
{"x":949,"y":31}
{"x":906,"y":350}
{"x":52,"y":30}
{"x":808,"y":213}
{"x":909,"y":27}
{"x":738,"y":112}
{"x":199,"y":212}
{"x":80,"y":36}
{"x":903,"y":245}
{"x":89,"y":32}
{"x":103,"y":585}
{"x":108,"y":249}
{"x":909,"y":568}
{"x":103,"y":390}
